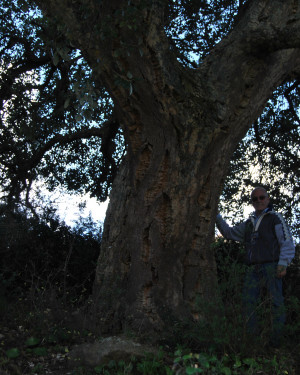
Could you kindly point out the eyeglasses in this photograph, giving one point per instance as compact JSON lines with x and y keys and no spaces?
{"x":261,"y":198}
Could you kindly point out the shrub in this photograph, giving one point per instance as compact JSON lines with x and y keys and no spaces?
{"x":39,"y":255}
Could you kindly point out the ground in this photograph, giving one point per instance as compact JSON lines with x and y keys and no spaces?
{"x":40,"y":341}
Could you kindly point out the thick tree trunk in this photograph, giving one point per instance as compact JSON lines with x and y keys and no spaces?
{"x":155,"y":261}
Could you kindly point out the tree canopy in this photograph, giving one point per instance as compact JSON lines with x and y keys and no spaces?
{"x":58,"y":122}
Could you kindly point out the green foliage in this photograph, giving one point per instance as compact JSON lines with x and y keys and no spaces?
{"x":207,"y":363}
{"x":153,"y":364}
{"x":188,"y":363}
{"x":52,"y":114}
{"x":13,"y":353}
{"x":32,"y":341}
{"x":115,"y":367}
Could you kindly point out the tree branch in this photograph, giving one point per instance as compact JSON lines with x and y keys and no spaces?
{"x":290,"y":102}
{"x":273,"y":146}
{"x":21,"y":168}
{"x":271,"y":26}
{"x":104,"y":132}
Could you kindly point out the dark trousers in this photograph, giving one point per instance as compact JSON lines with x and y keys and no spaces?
{"x":258,"y":277}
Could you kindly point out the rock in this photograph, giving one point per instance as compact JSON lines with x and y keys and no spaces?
{"x":110,"y":348}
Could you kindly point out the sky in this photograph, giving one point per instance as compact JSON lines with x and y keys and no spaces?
{"x":69,"y":210}
{"x":70,"y":207}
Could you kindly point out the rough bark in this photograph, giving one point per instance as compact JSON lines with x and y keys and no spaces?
{"x":181,"y":127}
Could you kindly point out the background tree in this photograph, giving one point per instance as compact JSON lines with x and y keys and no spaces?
{"x":181,"y":122}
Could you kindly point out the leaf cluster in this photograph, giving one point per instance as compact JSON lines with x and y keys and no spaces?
{"x":195,"y":27}
{"x":55,"y":123}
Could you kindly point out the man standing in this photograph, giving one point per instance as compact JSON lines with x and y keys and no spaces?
{"x":269,"y":250}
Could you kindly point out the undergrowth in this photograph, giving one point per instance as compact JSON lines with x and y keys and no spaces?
{"x":45,"y":311}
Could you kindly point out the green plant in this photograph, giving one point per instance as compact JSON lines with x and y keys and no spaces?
{"x":153,"y":364}
{"x":38,"y":369}
{"x":13,"y":353}
{"x":115,"y":367}
{"x":210,"y":364}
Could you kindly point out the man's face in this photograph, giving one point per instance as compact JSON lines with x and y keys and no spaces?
{"x":260,"y":200}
